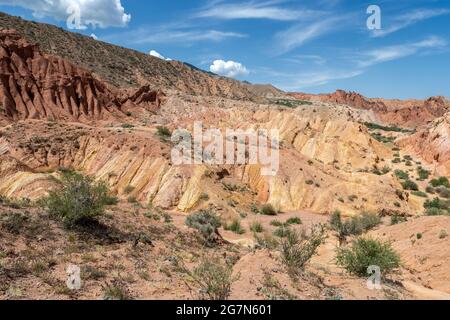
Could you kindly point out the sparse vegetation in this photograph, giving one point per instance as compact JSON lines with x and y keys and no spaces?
{"x":402,"y":175}
{"x":419,"y":194}
{"x":79,"y":200}
{"x":298,"y":248}
{"x":256,"y":227}
{"x":235,"y":227}
{"x":440,"y":182}
{"x":355,"y":225}
{"x":367,"y":252}
{"x":375,"y":126}
{"x":268,"y":210}
{"x":410,"y":185}
{"x":423,"y":174}
{"x":294,"y":220}
{"x":396,"y":219}
{"x":291,"y":103}
{"x":214,"y":279}
{"x":207,"y":223}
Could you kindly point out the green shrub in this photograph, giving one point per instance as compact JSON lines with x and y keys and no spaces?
{"x":204,"y":196}
{"x":396,"y":219}
{"x":256,"y":227}
{"x":423,"y":174}
{"x":116,"y":291}
{"x":355,"y":225}
{"x":440,"y":182}
{"x":297,"y":249}
{"x":276,"y":223}
{"x":214,"y":279}
{"x":419,"y":236}
{"x":366,"y":252}
{"x":282,"y":232}
{"x":401,"y":174}
{"x":268,"y":210}
{"x":410,"y":185}
{"x":207,"y":223}
{"x":79,"y":200}
{"x":235,"y":227}
{"x":294,"y":220}
{"x":419,"y":194}
{"x":437,"y":203}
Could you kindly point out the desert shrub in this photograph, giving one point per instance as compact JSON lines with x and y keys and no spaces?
{"x":282,"y":232}
{"x":309,"y":182}
{"x":127,"y":126}
{"x":266,"y":241}
{"x":298,"y":248}
{"x":443,"y":234}
{"x":419,"y":194}
{"x":235,"y":227}
{"x":423,"y":174}
{"x":214,"y":279}
{"x":430,"y":190}
{"x":116,"y":291}
{"x":276,"y":223}
{"x":401,"y":174}
{"x":419,"y":236}
{"x":80,"y":199}
{"x":163,"y":132}
{"x":436,"y":212}
{"x":207,"y":223}
{"x":352,"y":198}
{"x":396,"y":219}
{"x":369,"y":220}
{"x":437,"y":203}
{"x":294,"y":220}
{"x":256,"y":227}
{"x":440,"y":182}
{"x":366,"y":252}
{"x":396,"y":160}
{"x":408,"y":158}
{"x":410,"y":185}
{"x":443,"y":192}
{"x":355,"y":225}
{"x":268,"y":210}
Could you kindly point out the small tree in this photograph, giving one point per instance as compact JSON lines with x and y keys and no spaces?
{"x":207,"y":223}
{"x":80,"y":199}
{"x":367,"y":252}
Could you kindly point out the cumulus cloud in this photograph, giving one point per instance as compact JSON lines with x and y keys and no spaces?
{"x":229,"y":69}
{"x":158,"y":55}
{"x":78,"y":13}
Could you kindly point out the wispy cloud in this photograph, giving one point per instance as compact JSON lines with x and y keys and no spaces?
{"x":306,"y":59}
{"x":253,"y":10}
{"x":400,"y":51}
{"x":405,"y":20}
{"x":300,"y":34}
{"x":173,"y":33}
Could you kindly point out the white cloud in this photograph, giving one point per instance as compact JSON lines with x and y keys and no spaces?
{"x":158,"y":55}
{"x":96,"y":13}
{"x":229,"y":69}
{"x":253,"y":10}
{"x":298,"y":35}
{"x":93,"y":36}
{"x":413,"y":17}
{"x":172,"y":33}
{"x":400,"y":51}
{"x":303,"y":80}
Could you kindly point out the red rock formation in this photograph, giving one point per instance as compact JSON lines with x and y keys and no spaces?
{"x":408,"y":113}
{"x":34,"y":85}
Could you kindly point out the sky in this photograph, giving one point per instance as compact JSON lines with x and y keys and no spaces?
{"x":314,"y":46}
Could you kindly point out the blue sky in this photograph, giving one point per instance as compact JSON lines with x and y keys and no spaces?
{"x":302,"y":45}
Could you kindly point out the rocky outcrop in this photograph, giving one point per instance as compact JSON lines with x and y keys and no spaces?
{"x":432,"y":143}
{"x":405,"y":113}
{"x":34,"y":85}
